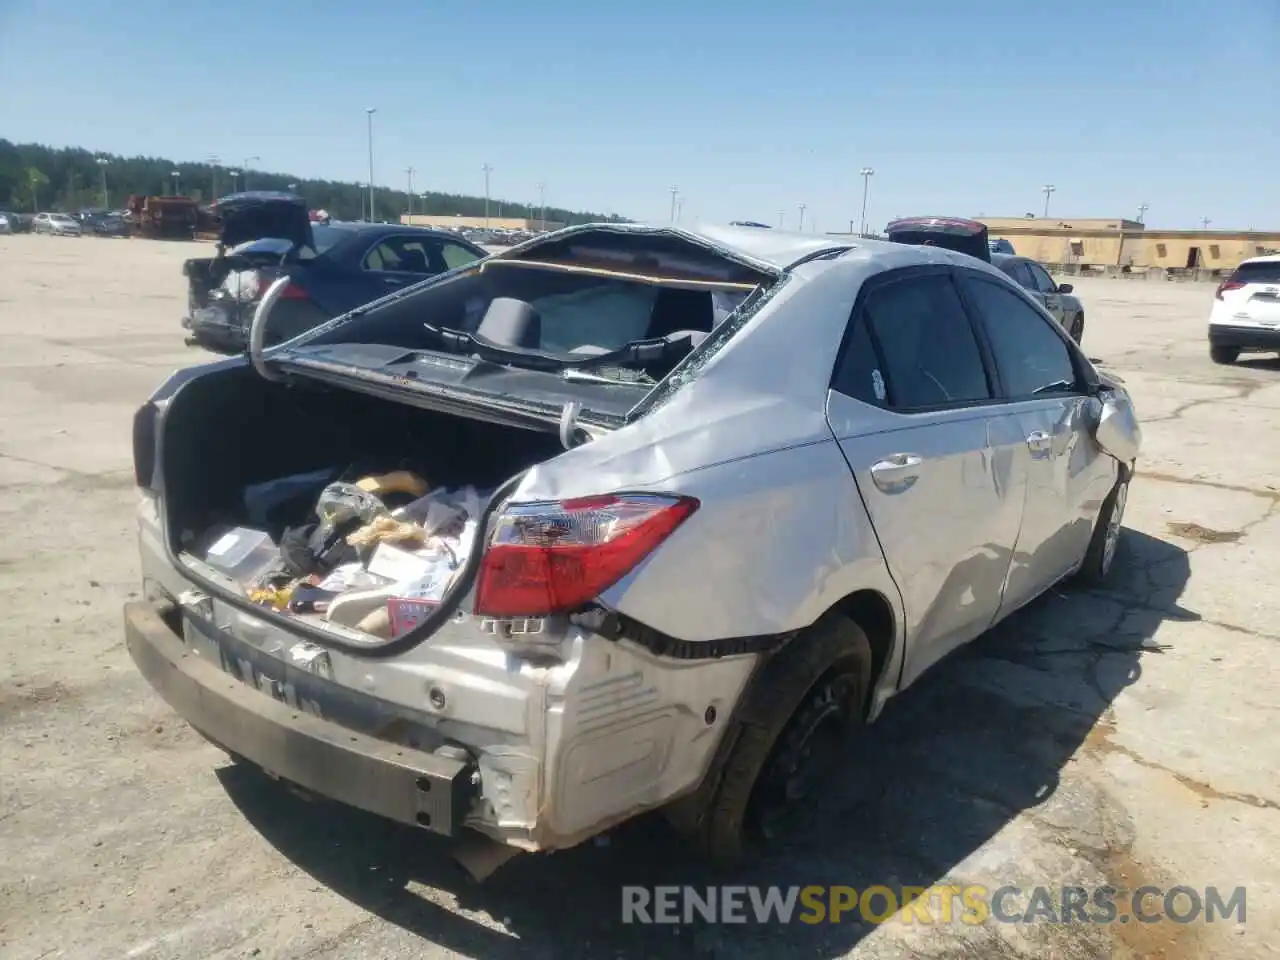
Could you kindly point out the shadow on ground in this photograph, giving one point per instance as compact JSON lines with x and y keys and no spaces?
{"x":981,"y":738}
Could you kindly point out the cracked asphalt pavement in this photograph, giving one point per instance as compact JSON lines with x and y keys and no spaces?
{"x":1122,"y":736}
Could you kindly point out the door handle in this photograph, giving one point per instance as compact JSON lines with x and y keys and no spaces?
{"x":1040,"y":444}
{"x":897,"y":472}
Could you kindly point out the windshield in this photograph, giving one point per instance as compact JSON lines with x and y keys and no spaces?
{"x":1259,"y":271}
{"x":60,"y":218}
{"x":326,"y":236}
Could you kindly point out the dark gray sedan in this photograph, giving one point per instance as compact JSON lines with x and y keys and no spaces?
{"x":1055,"y":297}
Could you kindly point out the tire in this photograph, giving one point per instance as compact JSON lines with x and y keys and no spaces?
{"x":1223,"y":354}
{"x":1100,"y":557}
{"x":807,"y":704}
{"x":1077,"y":328}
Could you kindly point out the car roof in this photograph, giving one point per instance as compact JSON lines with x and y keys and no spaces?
{"x":359,"y":228}
{"x":1266,"y":258}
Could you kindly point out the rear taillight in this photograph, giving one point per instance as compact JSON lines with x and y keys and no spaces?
{"x":144,"y":445}
{"x":1226,"y":285}
{"x":291,"y":292}
{"x":556,"y":556}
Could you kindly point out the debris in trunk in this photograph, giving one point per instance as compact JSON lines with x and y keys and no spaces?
{"x":378,"y":555}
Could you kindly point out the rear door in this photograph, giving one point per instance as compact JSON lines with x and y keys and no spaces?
{"x":1068,"y":476}
{"x":933,"y":452}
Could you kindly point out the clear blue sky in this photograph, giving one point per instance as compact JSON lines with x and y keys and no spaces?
{"x":750,"y":108}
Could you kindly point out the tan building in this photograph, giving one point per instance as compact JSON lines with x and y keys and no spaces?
{"x":1119,"y":243}
{"x":480,"y":223}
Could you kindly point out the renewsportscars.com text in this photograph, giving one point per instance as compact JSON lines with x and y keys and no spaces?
{"x":944,"y":904}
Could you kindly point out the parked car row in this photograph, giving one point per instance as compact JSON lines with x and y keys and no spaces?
{"x":332,"y":267}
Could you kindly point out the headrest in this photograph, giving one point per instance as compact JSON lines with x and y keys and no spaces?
{"x":511,"y":323}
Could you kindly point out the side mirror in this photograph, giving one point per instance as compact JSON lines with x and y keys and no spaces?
{"x":1065,"y":288}
{"x":1116,"y":430}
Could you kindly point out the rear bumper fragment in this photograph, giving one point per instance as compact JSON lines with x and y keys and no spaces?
{"x":400,"y":783}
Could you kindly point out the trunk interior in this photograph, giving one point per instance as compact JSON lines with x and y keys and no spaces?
{"x":228,"y":431}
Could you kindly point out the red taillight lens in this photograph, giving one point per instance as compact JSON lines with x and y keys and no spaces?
{"x":555,"y":556}
{"x":291,"y":292}
{"x":1226,"y":285}
{"x":144,"y":445}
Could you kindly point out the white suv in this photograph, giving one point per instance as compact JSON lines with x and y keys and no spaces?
{"x":1246,"y":310}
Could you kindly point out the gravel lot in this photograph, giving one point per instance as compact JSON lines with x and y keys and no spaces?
{"x":1126,"y":735}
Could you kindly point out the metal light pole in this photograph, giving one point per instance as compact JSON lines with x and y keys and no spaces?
{"x":675,"y":192}
{"x":176,"y":176}
{"x":542,"y":205}
{"x":409,"y":171}
{"x":487,"y":170}
{"x":867,"y":174}
{"x":1205,"y":221}
{"x":235,"y":175}
{"x":1142,"y":211}
{"x":361,"y":187}
{"x":782,"y":217}
{"x":1048,"y":189}
{"x":102,"y":165}
{"x":369,"y":112}
{"x":214,"y":160}
{"x":800,"y":229}
{"x":245,"y":170}
{"x":679,"y":207}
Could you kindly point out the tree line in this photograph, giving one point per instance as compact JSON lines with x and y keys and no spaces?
{"x":35,"y":177}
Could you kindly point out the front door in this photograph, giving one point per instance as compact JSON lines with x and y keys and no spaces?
{"x":1040,"y":379}
{"x":933,"y":454}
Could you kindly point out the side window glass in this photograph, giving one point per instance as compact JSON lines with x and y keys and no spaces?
{"x":1043,"y":282}
{"x":858,"y":373}
{"x":1021,"y":275}
{"x":1031,"y":356}
{"x":379,"y":258}
{"x":455,"y":255}
{"x":930,"y":354}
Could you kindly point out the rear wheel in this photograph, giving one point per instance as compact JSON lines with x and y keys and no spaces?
{"x":790,"y":735}
{"x":1224,"y":354}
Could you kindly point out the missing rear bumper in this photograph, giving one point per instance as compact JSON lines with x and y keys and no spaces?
{"x":409,"y":786}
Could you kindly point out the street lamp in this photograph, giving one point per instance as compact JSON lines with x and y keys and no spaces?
{"x":1205,"y":221}
{"x":369,"y":112}
{"x":782,"y":216}
{"x":214,"y":160}
{"x":235,"y":175}
{"x":245,"y":169}
{"x":175,"y":175}
{"x":102,"y":165}
{"x":487,"y":170}
{"x":361,"y":187}
{"x":409,"y":171}
{"x":1142,"y":211}
{"x":800,"y":229}
{"x":675,"y":192}
{"x":867,"y":173}
{"x":679,"y":207}
{"x":542,"y":205}
{"x":1048,"y":189}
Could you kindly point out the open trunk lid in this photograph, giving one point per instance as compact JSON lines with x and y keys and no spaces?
{"x":259,"y":214}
